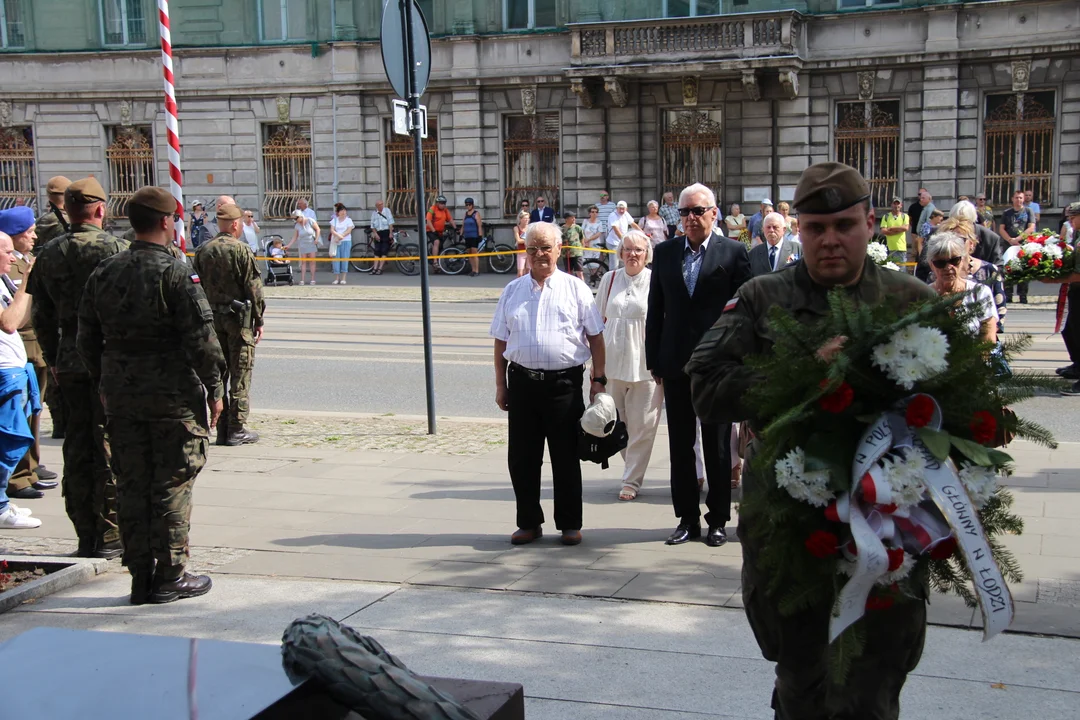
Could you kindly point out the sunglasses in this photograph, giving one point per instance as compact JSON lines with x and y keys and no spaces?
{"x":954,"y":261}
{"x":698,"y":211}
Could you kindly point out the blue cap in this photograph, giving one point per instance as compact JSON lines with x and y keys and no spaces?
{"x":16,"y":220}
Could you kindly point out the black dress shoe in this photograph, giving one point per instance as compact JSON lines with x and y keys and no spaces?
{"x":1065,"y":369}
{"x":716,"y":537}
{"x":142,"y":584}
{"x":242,"y":437}
{"x":684,"y":533}
{"x":44,"y":473}
{"x":109,"y":550}
{"x":185,"y":586}
{"x":45,"y":484}
{"x":86,"y":549}
{"x":26,"y":493}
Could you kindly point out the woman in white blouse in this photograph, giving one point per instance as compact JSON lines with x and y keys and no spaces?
{"x":623,"y":301}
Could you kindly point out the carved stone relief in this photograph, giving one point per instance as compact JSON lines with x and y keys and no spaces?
{"x":583,"y":90}
{"x":789,"y":79}
{"x":1021,"y":75}
{"x":866,"y":84}
{"x":750,"y":85}
{"x":528,"y":99}
{"x":125,"y":113}
{"x":689,"y":90}
{"x":282,"y":109}
{"x":5,"y":113}
{"x":616,"y":88}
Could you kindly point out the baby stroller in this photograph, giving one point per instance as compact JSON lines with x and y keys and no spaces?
{"x":278,"y":268}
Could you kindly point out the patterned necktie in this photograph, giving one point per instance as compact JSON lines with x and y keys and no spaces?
{"x":772,"y":256}
{"x":689,"y":274}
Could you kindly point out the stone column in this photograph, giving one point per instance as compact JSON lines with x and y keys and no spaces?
{"x":940,"y":130}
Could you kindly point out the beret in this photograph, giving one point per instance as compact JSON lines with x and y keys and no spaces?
{"x":154,"y":198}
{"x":229,"y":212}
{"x":1072,"y":210}
{"x":85,"y":191}
{"x":57,"y":185}
{"x":829,"y":187}
{"x":16,"y":220}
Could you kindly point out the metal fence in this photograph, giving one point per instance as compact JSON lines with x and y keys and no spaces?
{"x":17,"y":185}
{"x":401,"y":172}
{"x":1018,"y":136}
{"x":691,"y":150}
{"x":868,"y":139}
{"x":286,"y":169}
{"x":531,"y":160}
{"x":131,"y":166}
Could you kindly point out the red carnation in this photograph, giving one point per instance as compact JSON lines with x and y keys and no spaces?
{"x":1020,"y":254}
{"x":879,"y":602}
{"x":896,"y":558}
{"x":1037,"y":256}
{"x":1057,"y":263}
{"x":983,"y":427}
{"x":920,"y":411}
{"x":822,"y":544}
{"x":838,"y":400}
{"x":1032,"y":262}
{"x":944,"y":549}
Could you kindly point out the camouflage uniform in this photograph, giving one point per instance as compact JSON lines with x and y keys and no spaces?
{"x":228,"y":272}
{"x":51,"y":224}
{"x":146,"y":330}
{"x":799,"y":643}
{"x":56,"y":285}
{"x":24,"y":474}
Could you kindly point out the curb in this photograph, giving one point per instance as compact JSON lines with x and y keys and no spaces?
{"x":76,"y":571}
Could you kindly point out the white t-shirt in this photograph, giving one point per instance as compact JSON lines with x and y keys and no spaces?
{"x":252,"y":238}
{"x":342,"y":227}
{"x":615,"y":220}
{"x":12,"y":350}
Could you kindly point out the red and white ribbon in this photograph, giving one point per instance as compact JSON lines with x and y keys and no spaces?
{"x":172,"y":124}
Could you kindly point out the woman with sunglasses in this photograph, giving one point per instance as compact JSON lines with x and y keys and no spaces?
{"x":979,"y":271}
{"x":948,"y":255}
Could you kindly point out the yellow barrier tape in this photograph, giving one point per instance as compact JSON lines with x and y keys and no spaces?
{"x":396,"y":258}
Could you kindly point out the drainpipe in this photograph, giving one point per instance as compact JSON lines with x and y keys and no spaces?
{"x":333,"y":95}
{"x":607,"y":158}
{"x":775,"y":152}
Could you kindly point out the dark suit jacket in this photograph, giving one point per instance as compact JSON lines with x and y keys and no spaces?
{"x":990,"y":246}
{"x":676,"y":321}
{"x":759,"y":256}
{"x":545,"y":215}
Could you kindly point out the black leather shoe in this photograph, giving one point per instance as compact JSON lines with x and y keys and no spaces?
{"x":86,"y":549}
{"x":45,"y":484}
{"x":684,"y":533}
{"x":185,"y":586}
{"x":142,"y":584}
{"x":1065,"y":369}
{"x":109,"y":550}
{"x":716,"y":537}
{"x":242,"y":437}
{"x":26,"y":493}
{"x":44,"y":473}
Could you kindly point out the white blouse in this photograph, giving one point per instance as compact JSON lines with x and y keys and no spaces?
{"x":624,"y":302}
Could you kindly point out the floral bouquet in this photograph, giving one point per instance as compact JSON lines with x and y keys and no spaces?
{"x":881,"y":431}
{"x":880,"y":255}
{"x":1039,"y":256}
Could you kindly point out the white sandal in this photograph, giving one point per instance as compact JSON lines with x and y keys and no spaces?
{"x":627,"y":493}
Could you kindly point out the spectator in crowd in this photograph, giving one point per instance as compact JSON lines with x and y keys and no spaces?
{"x":794,"y":236}
{"x":341,"y":229}
{"x":382,"y":230}
{"x":914,"y":211}
{"x":922,"y":265}
{"x":735,"y":222}
{"x":519,"y":237}
{"x":251,"y":232}
{"x":1016,"y":222}
{"x":949,"y":255}
{"x":472,"y":229}
{"x":542,"y":213}
{"x":670,"y":212}
{"x":594,"y":232}
{"x":1071,"y":332}
{"x":524,"y":206}
{"x":1067,"y":233}
{"x":653,"y":224}
{"x":546,"y":328}
{"x":438,"y":217}
{"x":306,"y":239}
{"x":984,"y":211}
{"x":572,"y":242}
{"x":754,"y":225}
{"x":777,"y":251}
{"x":619,"y":223}
{"x":1033,"y":206}
{"x":198,"y":230}
{"x":895,"y":226}
{"x":623,"y":301}
{"x":211,"y":219}
{"x":926,"y":207}
{"x":960,"y":222}
{"x":988,"y":244}
{"x":276,"y":253}
{"x":301,"y":205}
{"x":785,"y":212}
{"x":690,"y":283}
{"x":606,"y":207}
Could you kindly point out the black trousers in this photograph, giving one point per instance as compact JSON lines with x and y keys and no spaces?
{"x":716,"y":446}
{"x":1021,"y":289}
{"x":545,"y":410}
{"x":1071,"y":332}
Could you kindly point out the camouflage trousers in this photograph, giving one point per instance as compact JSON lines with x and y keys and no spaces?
{"x":89,"y":485}
{"x":53,"y":396}
{"x":156,"y":462}
{"x":238,"y":345}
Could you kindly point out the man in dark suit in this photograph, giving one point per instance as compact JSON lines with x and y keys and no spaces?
{"x":777,"y":251}
{"x":693,"y":277}
{"x":542,"y":213}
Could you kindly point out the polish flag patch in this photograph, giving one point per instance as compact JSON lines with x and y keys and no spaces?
{"x":195,"y":279}
{"x":731,"y":304}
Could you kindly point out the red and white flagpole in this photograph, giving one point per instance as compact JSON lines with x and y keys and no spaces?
{"x":172,"y":124}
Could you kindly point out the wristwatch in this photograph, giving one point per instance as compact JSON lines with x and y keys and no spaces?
{"x":601,"y":379}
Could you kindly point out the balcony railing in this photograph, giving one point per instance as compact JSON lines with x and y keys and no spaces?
{"x":678,"y":39}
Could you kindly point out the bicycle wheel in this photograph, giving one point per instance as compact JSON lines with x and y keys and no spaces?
{"x":361,"y":250}
{"x":502,"y":263}
{"x":408,"y":267}
{"x":594,"y":270}
{"x":450,"y":262}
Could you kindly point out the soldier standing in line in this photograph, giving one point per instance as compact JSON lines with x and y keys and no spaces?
{"x":146,"y":332}
{"x":56,"y":285}
{"x":53,"y":222}
{"x":232,"y":284}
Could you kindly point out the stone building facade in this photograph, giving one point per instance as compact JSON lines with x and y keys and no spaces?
{"x":957,"y":98}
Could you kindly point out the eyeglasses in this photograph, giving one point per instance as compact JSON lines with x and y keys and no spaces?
{"x":539,"y":249}
{"x":634,"y":251}
{"x":954,"y":261}
{"x":698,"y":211}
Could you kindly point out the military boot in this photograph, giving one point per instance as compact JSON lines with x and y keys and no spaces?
{"x":243,"y":436}
{"x":185,"y":586}
{"x":222,"y":432}
{"x":108,"y":550}
{"x":86,"y":548}
{"x":142,"y":584}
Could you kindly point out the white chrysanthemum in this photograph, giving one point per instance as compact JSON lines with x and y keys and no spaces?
{"x":980,"y":482}
{"x":891,"y":266}
{"x":1052,"y":251}
{"x":877,"y":252}
{"x":905,"y":474}
{"x":1032,"y":248}
{"x":808,"y":487}
{"x":913,"y":353}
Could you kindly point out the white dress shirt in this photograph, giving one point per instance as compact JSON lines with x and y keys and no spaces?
{"x":546,"y":328}
{"x":623,"y":302}
{"x":381,"y":220}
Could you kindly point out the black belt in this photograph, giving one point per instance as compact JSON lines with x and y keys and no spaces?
{"x":545,"y":375}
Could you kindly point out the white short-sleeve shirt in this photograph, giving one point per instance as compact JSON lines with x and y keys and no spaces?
{"x":12,"y":350}
{"x":546,"y":328}
{"x":615,"y":220}
{"x":381,"y":220}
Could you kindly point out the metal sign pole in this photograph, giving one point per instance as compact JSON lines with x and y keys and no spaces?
{"x":417,"y":132}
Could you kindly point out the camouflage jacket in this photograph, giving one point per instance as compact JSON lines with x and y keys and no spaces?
{"x":228,"y":272}
{"x":49,"y":226}
{"x":146,"y":330}
{"x":56,"y":285}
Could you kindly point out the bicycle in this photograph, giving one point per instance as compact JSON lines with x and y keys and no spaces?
{"x":594,"y":270}
{"x":362,"y":255}
{"x":452,"y":265}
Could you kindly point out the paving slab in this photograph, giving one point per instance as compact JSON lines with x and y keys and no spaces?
{"x":573,"y":581}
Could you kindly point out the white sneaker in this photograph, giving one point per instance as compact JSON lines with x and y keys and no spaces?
{"x":343,"y":282}
{"x":334,"y":283}
{"x":312,"y":282}
{"x":20,"y":510}
{"x":12,"y":520}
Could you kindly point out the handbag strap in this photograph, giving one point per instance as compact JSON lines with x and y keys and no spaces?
{"x":607,"y":299}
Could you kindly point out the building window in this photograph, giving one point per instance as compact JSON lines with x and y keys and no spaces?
{"x":852,"y":4}
{"x":282,"y":20}
{"x":401,"y":171}
{"x":531,"y":157}
{"x":11,"y":24}
{"x":286,"y":168}
{"x":17,"y":174}
{"x":868,"y":139}
{"x":131,"y":165}
{"x":123,"y":22}
{"x":691,"y":150}
{"x":690,"y":8}
{"x":1018,"y":137}
{"x":529,"y":14}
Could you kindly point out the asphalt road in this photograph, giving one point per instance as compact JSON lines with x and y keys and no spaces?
{"x":367,"y":357}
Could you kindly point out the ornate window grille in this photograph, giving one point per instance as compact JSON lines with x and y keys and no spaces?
{"x":1018,"y":140}
{"x":123,"y":22}
{"x":401,"y":172}
{"x":287,"y":174}
{"x":531,"y":160}
{"x":17,"y":174}
{"x":131,"y":166}
{"x":867,"y":138}
{"x":11,"y":24}
{"x":692,"y":150}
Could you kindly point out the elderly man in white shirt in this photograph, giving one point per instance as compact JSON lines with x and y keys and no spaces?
{"x":546,"y":328}
{"x":382,"y":229}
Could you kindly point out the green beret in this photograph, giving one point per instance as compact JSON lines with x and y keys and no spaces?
{"x":155,"y":198}
{"x":1072,"y":210}
{"x":829,"y":187}
{"x":85,"y":191}
{"x":229,"y":212}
